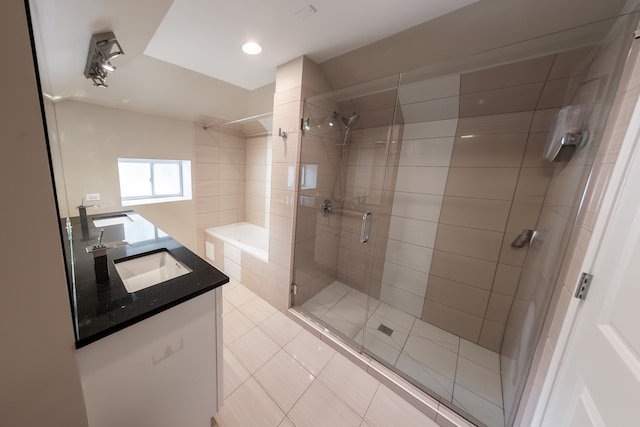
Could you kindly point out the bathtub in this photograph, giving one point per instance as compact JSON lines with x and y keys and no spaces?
{"x":246,"y":237}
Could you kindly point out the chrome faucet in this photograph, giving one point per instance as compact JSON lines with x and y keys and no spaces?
{"x":83,"y":219}
{"x":99,"y":252}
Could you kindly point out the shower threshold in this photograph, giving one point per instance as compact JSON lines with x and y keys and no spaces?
{"x":463,"y":374}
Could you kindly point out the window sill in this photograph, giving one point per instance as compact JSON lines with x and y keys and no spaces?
{"x":137,"y":202}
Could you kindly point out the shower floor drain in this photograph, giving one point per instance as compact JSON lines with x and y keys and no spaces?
{"x":385,"y":329}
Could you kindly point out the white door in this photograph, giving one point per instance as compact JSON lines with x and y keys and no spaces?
{"x":599,"y":380}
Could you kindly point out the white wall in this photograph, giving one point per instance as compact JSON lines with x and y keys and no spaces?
{"x":91,"y":139}
{"x":40,"y":384}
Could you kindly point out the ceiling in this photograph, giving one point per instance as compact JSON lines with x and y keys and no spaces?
{"x":182,"y":54}
{"x":206,"y":35}
{"x":183,"y":59}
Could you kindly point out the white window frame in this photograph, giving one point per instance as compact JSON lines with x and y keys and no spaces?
{"x":185,"y":183}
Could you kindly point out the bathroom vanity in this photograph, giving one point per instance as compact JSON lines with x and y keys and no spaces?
{"x":149,"y":329}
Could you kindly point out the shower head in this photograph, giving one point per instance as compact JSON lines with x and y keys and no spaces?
{"x":352,"y":120}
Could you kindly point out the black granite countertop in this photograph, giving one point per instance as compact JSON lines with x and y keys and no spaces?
{"x":101,"y":309}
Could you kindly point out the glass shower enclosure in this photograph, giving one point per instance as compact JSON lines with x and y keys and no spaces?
{"x":430,"y":230}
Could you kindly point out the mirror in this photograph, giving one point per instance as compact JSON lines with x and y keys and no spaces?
{"x":151,"y":110}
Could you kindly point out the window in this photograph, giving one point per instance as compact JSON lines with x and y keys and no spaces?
{"x":144,"y":181}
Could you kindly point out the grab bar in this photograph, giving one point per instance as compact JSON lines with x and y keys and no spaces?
{"x":524,"y":239}
{"x":365,"y":231}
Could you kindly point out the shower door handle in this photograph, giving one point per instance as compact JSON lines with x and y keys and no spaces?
{"x":365,"y":231}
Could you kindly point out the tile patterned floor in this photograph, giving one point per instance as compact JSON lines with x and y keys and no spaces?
{"x":454,"y":368}
{"x":278,"y":374}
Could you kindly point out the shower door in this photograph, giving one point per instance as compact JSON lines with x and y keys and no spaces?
{"x":348,"y":152}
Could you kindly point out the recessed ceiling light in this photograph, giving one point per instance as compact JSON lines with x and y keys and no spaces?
{"x":251,"y":48}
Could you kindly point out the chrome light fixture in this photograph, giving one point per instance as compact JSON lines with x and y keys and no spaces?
{"x":102,"y":49}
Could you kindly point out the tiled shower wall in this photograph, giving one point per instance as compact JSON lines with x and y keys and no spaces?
{"x":430,"y":110}
{"x":219,"y":180}
{"x":596,"y":89}
{"x":495,"y":189}
{"x":317,"y":236}
{"x":258,"y":180}
{"x":371,"y":178}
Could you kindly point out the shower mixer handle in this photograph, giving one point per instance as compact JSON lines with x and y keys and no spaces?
{"x":524,"y":239}
{"x":365,"y":231}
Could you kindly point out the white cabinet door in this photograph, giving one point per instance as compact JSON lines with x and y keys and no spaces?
{"x":599,"y":383}
{"x":159,"y":372}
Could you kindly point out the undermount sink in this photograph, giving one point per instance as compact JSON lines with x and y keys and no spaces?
{"x":111,"y":220}
{"x":146,"y":270}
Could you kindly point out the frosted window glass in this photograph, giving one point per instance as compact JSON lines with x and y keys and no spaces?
{"x":167,"y":179}
{"x":135,"y":179}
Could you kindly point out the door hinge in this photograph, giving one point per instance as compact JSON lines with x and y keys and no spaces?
{"x":305,"y":124}
{"x":294,"y":289}
{"x":583,"y":287}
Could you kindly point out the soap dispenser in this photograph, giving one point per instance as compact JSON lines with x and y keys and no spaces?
{"x":568,"y":134}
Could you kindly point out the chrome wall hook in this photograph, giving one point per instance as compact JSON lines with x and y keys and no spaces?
{"x":282,"y":133}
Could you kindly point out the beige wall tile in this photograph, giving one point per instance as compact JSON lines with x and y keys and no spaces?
{"x":282,"y":203}
{"x":206,"y":154}
{"x":457,"y":322}
{"x":437,"y":129}
{"x":495,"y":124}
{"x":231,"y":216}
{"x":470,"y":271}
{"x":506,"y":279}
{"x":572,"y":63}
{"x":281,"y":228}
{"x":498,"y":308}
{"x":207,"y":204}
{"x":422,"y":180}
{"x":251,"y":263}
{"x":255,"y":216}
{"x":206,"y":172}
{"x":276,"y":293}
{"x":457,"y":295}
{"x":470,"y":242}
{"x":229,"y":172}
{"x":286,"y":150}
{"x":283,"y":176}
{"x":231,"y":155}
{"x":523,"y":216}
{"x":206,"y":220}
{"x":515,"y":74}
{"x":509,"y":255}
{"x":287,"y":118}
{"x":543,"y":120}
{"x":489,"y":150}
{"x":440,"y":87}
{"x":558,"y":93}
{"x":500,"y":101}
{"x":427,"y":111}
{"x":532,"y":185}
{"x":484,"y":214}
{"x":491,"y":336}
{"x":252,"y":280}
{"x":280,"y":253}
{"x":289,"y":75}
{"x":486,"y":183}
{"x":534,"y":154}
{"x":206,"y":188}
{"x":426,"y":152}
{"x":255,"y":203}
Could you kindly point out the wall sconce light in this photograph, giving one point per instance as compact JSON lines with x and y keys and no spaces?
{"x":102,"y":49}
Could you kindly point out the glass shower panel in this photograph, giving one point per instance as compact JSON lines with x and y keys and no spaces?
{"x":448,"y":160}
{"x":346,"y":140}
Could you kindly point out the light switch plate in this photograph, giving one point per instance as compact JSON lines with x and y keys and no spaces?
{"x":93,"y":197}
